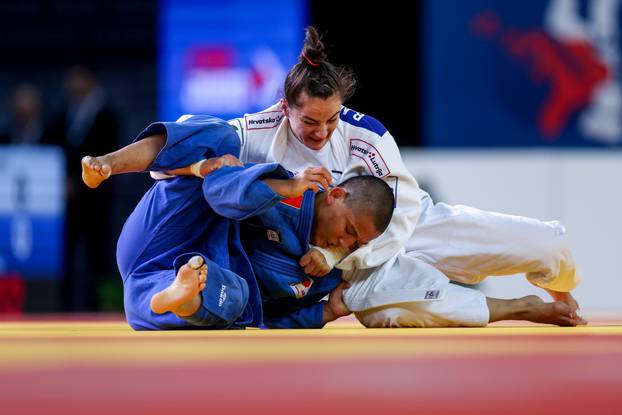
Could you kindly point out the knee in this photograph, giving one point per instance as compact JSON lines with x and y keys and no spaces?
{"x":553,"y":241}
{"x":555,"y":253}
{"x":558,"y":270}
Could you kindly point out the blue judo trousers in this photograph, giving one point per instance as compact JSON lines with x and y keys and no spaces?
{"x":250,"y":238}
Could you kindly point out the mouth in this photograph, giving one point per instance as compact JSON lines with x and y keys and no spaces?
{"x":316,"y":141}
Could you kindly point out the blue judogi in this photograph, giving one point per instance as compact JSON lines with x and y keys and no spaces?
{"x":185,"y":216}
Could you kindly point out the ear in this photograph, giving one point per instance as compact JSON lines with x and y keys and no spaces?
{"x":336,"y":193}
{"x":284,"y":107}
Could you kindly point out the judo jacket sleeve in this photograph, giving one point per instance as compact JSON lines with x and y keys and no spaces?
{"x":373,"y":151}
{"x":239,"y":192}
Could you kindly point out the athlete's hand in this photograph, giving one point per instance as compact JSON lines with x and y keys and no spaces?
{"x":310,"y":178}
{"x":335,"y":307}
{"x":314,"y":263}
{"x":216,"y":163}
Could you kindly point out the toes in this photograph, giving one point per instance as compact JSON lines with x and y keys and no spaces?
{"x":201,"y":286}
{"x":203,"y":274}
{"x":564,"y":321}
{"x":196,"y":262}
{"x":580,"y":320}
{"x":91,"y":163}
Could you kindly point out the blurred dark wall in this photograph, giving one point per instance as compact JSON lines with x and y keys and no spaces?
{"x":382,"y":45}
{"x":116,"y":39}
{"x":41,"y":40}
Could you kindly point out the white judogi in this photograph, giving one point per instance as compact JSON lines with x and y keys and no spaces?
{"x":359,"y":145}
{"x":402,"y":277}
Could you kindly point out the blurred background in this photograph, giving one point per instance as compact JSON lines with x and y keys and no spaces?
{"x":498,"y":104}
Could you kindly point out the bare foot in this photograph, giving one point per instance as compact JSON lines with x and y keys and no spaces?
{"x":557,"y":312}
{"x":182,"y":297}
{"x":94,"y":171}
{"x":566,"y":297}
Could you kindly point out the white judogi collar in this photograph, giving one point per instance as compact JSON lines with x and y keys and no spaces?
{"x":291,"y":153}
{"x":278,"y":148}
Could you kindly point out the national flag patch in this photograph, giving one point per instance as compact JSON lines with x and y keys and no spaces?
{"x":295,"y":202}
{"x":301,"y":288}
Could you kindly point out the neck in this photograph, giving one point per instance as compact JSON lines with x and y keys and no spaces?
{"x":293,"y":134}
{"x":320,"y":200}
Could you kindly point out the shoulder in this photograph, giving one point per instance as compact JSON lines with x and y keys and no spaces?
{"x":369,"y":142}
{"x":258,"y":124}
{"x":351,"y":118}
{"x":264,"y":120}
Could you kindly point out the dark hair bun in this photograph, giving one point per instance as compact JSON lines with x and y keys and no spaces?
{"x":313,"y":47}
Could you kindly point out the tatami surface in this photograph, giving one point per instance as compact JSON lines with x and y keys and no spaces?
{"x":98,"y":365}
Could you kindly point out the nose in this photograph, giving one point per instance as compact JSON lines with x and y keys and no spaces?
{"x":321,"y":131}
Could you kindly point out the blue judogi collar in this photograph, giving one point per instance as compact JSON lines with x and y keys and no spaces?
{"x":287,"y":226}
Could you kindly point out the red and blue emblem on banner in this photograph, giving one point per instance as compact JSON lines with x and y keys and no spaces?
{"x":503,"y":73}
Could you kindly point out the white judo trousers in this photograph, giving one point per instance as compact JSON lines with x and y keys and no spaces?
{"x":403,"y":277}
{"x":461,"y":244}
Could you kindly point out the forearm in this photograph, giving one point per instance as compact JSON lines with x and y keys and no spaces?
{"x":335,"y":307}
{"x":280,"y":187}
{"x":327,"y":314}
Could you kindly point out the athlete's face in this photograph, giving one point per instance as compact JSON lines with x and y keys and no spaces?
{"x":335,"y":224}
{"x":314,"y":119}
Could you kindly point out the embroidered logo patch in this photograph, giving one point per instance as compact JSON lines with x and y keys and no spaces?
{"x":432,"y":294}
{"x":273,"y":235}
{"x":223,"y":295}
{"x":370,"y":155}
{"x":301,"y":288}
{"x":263,"y":120}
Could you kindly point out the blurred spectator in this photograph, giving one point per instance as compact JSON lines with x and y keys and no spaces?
{"x":85,"y":126}
{"x":26,"y":125}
